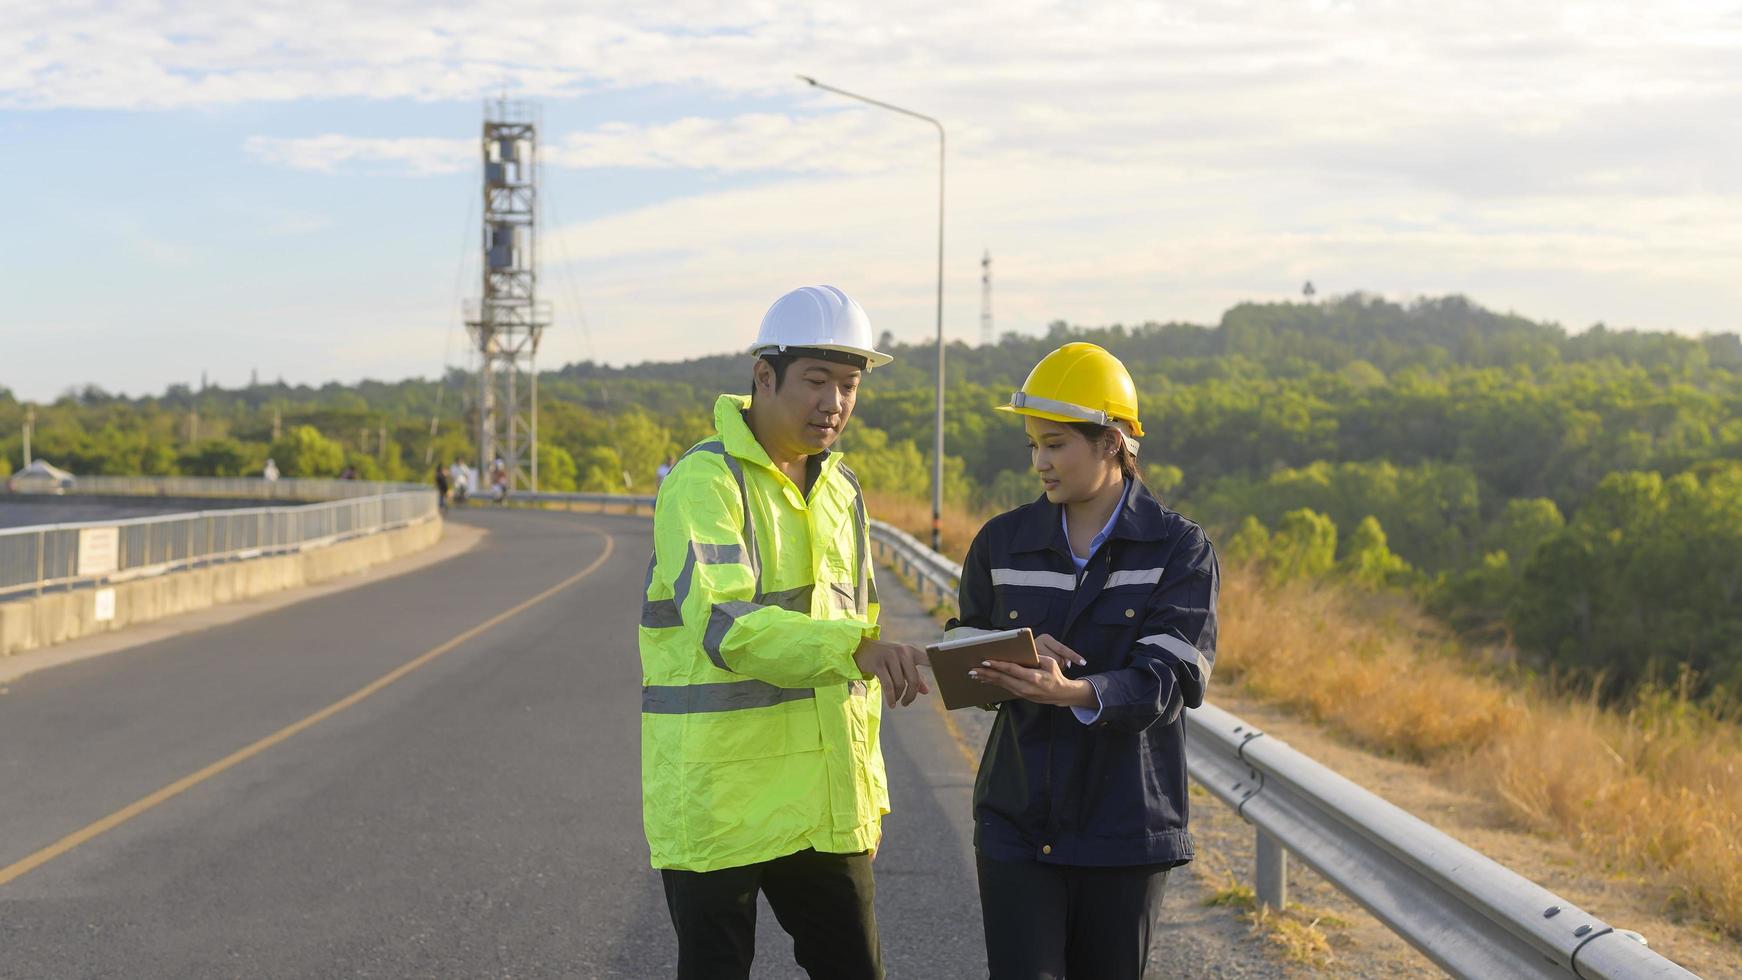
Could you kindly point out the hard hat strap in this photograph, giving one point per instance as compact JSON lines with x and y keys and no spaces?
{"x":1052,"y":406}
{"x":1022,"y":399}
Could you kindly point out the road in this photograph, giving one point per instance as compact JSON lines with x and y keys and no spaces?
{"x":253,"y":800}
{"x":478,"y":816}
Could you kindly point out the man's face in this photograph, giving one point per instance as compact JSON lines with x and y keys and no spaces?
{"x":813,"y":404}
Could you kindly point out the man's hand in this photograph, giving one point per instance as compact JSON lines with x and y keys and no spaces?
{"x":896,"y":666}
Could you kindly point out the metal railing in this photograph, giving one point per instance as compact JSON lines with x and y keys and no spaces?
{"x":1467,"y":913}
{"x":630,"y":504}
{"x":246,"y":487}
{"x":42,"y":557}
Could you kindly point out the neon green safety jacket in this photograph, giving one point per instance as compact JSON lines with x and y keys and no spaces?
{"x":759,"y":734}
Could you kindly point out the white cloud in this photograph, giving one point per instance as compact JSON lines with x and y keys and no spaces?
{"x":328,"y":152}
{"x":837,"y":142}
{"x":1572,"y":159}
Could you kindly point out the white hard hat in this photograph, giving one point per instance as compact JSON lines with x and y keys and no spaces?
{"x":819,"y":318}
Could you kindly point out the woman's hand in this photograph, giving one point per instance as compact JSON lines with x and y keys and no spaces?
{"x":1046,"y":646}
{"x":1045,"y":685}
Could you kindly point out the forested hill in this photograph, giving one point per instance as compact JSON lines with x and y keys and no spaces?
{"x":1577,"y":494}
{"x":1281,"y":338}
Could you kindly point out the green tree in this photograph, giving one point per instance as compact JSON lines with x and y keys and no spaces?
{"x":641,"y":445}
{"x":556,"y":469}
{"x":1011,"y":489}
{"x":882,"y":467}
{"x":1367,"y":561}
{"x":304,"y":452}
{"x":365,"y":466}
{"x":1522,"y":527}
{"x":600,"y":470}
{"x":1250,"y":544}
{"x":219,"y":457}
{"x":1646,"y":577}
{"x":1304,"y":545}
{"x":1163,"y":479}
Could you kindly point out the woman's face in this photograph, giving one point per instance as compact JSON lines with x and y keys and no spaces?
{"x":1071,"y":468}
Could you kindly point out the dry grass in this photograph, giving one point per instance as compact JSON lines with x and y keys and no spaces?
{"x":1233,"y":895}
{"x":1651,"y":792}
{"x":1654,"y":791}
{"x":958,"y":524}
{"x":1296,"y":933}
{"x":1360,"y":671}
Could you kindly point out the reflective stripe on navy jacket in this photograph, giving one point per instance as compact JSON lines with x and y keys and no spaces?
{"x":1143,"y":613}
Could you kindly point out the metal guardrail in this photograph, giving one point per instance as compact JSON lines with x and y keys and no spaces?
{"x":247,"y":487}
{"x":50,"y":556}
{"x":629,"y":503}
{"x":1467,"y":913}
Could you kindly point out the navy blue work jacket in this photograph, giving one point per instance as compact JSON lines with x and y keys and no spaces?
{"x":1143,"y":613}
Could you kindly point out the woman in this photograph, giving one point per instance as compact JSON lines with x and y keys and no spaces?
{"x":1080,"y":804}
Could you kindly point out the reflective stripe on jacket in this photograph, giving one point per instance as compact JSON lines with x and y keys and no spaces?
{"x":1143,"y":613}
{"x":759,"y":736}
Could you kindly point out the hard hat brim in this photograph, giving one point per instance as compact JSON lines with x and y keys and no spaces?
{"x":873,"y":358}
{"x":1022,"y":403}
{"x":1037,"y":414}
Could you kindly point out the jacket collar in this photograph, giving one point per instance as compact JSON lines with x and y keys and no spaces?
{"x":736,"y":437}
{"x":1140,"y":518}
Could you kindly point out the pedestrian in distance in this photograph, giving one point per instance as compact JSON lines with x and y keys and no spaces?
{"x":764,"y":676}
{"x":442,"y":486}
{"x":1080,"y":799}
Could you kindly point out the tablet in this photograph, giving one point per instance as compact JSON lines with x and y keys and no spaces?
{"x":952,"y":659}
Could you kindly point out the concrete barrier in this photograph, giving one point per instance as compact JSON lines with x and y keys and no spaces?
{"x":56,"y":617}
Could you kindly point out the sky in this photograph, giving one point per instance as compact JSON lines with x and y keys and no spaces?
{"x":293,"y":188}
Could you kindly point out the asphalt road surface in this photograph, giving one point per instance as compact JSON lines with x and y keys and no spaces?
{"x":476,"y":816}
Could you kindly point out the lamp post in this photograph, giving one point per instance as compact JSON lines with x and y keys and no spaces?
{"x":937,"y":466}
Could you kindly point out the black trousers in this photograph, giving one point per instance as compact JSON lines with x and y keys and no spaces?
{"x":823,"y":901}
{"x":1047,"y":921}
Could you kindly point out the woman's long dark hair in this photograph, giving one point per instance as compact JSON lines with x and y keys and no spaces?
{"x":1127,"y":459}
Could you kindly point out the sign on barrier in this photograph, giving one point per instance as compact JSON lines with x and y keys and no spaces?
{"x":99,"y":550}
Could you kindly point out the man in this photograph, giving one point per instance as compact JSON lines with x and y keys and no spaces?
{"x":761,"y":664}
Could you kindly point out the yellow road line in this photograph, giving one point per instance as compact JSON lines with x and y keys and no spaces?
{"x":182,"y":785}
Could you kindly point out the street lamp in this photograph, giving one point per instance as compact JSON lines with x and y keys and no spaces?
{"x":937,"y":465}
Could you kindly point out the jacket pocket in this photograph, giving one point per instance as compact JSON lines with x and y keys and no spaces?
{"x":1116,"y":621}
{"x":1036,"y":610}
{"x":754,"y":733}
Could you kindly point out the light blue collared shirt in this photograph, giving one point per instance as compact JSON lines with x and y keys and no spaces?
{"x":1084,"y":715}
{"x":1099,"y":539}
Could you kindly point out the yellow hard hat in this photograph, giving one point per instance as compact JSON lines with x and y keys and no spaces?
{"x":1078,"y":383}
